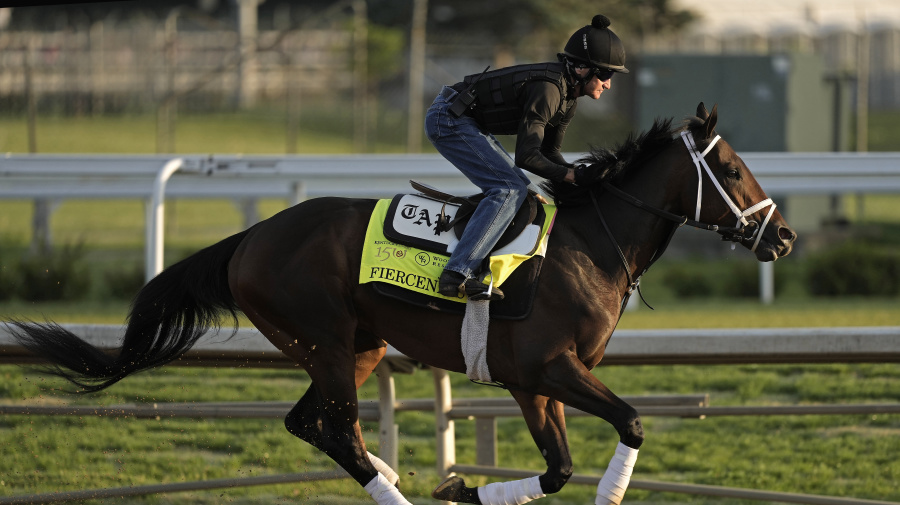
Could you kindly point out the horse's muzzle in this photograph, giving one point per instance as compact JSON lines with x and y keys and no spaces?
{"x":779,"y":244}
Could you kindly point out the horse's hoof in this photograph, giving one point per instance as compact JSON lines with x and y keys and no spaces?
{"x":454,"y":489}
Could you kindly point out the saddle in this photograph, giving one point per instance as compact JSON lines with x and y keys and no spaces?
{"x":410,"y":237}
{"x":454,"y":215}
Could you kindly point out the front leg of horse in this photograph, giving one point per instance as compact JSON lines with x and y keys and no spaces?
{"x":566,"y":379}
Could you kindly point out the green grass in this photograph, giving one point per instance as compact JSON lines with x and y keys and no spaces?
{"x":119,"y":223}
{"x":261,"y":131}
{"x":850,"y":456}
{"x":195,"y":134}
{"x":884,"y":130}
{"x":323,"y":128}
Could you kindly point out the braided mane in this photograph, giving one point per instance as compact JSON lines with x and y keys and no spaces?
{"x":606,"y":165}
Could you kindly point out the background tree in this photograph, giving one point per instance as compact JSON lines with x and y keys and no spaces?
{"x":514,"y":23}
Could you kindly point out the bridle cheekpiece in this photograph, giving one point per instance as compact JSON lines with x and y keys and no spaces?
{"x":741,"y":229}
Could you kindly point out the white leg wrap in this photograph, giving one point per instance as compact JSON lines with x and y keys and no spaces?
{"x":383,"y":467}
{"x":615,"y":480}
{"x":384,"y":493}
{"x":516,"y":492}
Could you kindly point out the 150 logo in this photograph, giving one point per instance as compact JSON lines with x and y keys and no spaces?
{"x":384,"y":253}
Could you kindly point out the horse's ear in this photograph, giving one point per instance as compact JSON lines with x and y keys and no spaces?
{"x":702,"y":113}
{"x":711,"y":121}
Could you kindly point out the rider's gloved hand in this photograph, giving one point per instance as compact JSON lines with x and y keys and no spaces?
{"x":582,"y":177}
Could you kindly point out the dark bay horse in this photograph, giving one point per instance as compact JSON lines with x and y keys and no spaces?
{"x":295,"y":276}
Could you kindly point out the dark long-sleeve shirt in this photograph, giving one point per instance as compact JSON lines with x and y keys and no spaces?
{"x":539,"y":143}
{"x":539,"y":118}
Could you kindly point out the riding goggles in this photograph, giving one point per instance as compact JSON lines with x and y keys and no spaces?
{"x":603,"y":74}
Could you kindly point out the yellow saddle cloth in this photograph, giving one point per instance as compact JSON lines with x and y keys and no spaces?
{"x":418,"y":270}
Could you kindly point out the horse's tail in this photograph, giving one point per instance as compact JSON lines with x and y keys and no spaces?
{"x":168,"y":316}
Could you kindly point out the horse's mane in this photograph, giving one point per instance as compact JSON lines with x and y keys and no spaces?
{"x":605,"y":165}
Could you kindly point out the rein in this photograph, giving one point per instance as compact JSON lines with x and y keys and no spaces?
{"x":743,"y":230}
{"x":633,"y":283}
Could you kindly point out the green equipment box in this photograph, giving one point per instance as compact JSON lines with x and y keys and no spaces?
{"x":782,"y":102}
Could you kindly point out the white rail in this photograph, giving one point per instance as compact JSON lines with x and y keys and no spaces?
{"x":371,"y":175}
{"x":377,"y":175}
{"x":878,"y":344}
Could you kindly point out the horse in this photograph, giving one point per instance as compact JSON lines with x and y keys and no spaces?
{"x":296,"y":277}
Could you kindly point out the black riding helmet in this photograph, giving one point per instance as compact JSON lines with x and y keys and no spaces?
{"x":597,"y":46}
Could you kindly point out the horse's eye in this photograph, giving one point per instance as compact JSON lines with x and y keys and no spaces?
{"x":733,"y":174}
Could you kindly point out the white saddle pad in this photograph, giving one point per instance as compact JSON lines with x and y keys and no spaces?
{"x":416,"y":217}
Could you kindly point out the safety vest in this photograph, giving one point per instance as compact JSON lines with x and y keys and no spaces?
{"x":499,"y":106}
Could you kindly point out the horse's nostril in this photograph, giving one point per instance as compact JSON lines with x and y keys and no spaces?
{"x":786,"y":234}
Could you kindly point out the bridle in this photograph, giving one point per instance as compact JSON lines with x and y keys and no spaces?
{"x":739,"y":232}
{"x":742,"y":231}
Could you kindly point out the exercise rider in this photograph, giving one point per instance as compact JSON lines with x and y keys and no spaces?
{"x":535,"y":102}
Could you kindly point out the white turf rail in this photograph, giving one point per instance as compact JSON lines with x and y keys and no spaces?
{"x":121,"y":176}
{"x":627,"y":347}
{"x":58,"y":177}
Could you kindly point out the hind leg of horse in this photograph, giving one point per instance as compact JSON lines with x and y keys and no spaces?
{"x":337,"y":432}
{"x":327,"y":418}
{"x":305,"y":420}
{"x":546,"y":422}
{"x":337,"y":359}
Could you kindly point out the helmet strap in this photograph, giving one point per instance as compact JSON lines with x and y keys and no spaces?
{"x":577,"y":79}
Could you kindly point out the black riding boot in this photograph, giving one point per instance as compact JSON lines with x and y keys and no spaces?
{"x":454,"y":284}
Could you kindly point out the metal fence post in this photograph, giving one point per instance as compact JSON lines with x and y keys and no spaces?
{"x":445,"y":443}
{"x":767,"y":282}
{"x":387,"y":396}
{"x":156,"y":220}
{"x":486,"y":441}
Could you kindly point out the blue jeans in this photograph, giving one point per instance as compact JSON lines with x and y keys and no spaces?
{"x":481,"y":158}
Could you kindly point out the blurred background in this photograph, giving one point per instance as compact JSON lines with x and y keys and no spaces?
{"x":802,"y":75}
{"x":295,"y":78}
{"x":338,"y":77}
